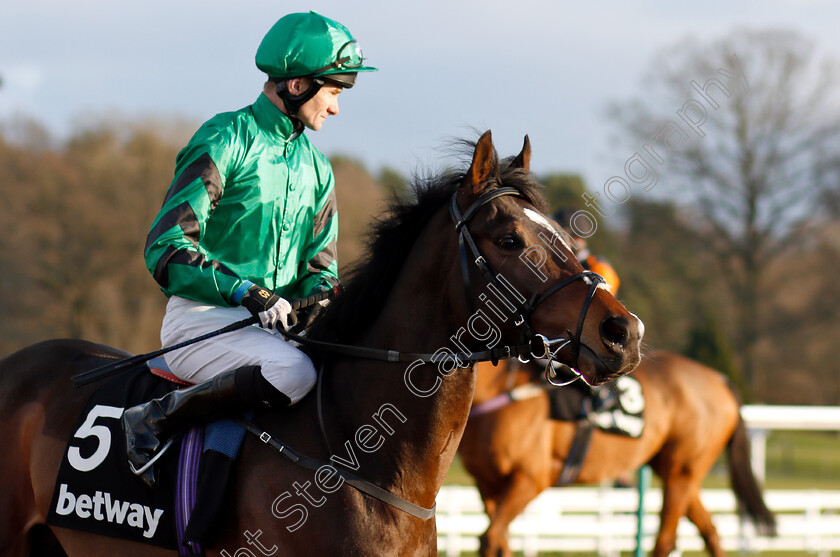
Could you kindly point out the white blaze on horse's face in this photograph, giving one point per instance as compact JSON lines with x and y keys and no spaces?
{"x":544,"y":222}
{"x":641,"y":325}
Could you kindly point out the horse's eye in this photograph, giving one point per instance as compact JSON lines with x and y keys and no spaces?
{"x":509,"y":243}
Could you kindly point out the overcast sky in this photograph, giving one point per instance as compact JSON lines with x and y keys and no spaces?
{"x":546,"y":69}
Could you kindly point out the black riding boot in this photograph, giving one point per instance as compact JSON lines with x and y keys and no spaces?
{"x":147,"y":426}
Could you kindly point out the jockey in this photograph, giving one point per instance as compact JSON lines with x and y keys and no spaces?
{"x":249,"y":221}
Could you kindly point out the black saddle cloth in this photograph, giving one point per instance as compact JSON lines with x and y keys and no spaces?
{"x":96,"y":492}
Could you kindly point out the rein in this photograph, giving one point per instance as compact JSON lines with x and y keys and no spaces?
{"x":467,"y":358}
{"x":521,"y":351}
{"x":524,"y":352}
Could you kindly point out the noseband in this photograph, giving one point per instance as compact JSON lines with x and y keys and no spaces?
{"x":521,"y":308}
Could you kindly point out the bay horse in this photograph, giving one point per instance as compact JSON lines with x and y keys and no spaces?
{"x":690,"y":415}
{"x":452,"y":293}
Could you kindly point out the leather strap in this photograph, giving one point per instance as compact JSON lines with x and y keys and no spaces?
{"x":468,"y":358}
{"x":577,"y":452}
{"x":360,"y":484}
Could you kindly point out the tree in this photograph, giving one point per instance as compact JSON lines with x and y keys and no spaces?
{"x":359,"y":197}
{"x":665,"y":274}
{"x":740,"y":131}
{"x":74,"y":228}
{"x":706,"y":344}
{"x":564,"y":192}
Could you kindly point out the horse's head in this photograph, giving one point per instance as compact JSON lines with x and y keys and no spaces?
{"x":520,"y":272}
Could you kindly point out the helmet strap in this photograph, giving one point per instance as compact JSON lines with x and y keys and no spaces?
{"x":294,"y":102}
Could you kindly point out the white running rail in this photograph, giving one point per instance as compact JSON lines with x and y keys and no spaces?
{"x":603,"y":520}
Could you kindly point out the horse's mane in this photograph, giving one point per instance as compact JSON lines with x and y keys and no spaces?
{"x":389,"y":240}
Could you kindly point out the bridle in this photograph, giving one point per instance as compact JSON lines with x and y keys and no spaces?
{"x":521,"y":308}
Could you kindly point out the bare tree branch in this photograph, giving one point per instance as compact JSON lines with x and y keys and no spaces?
{"x":756,"y":123}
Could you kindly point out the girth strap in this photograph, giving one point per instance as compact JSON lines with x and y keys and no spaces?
{"x":577,"y":452}
{"x":362,"y":485}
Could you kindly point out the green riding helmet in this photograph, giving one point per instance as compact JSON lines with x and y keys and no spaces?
{"x":311,"y":45}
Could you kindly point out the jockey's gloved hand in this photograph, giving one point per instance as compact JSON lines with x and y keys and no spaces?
{"x":269,"y":308}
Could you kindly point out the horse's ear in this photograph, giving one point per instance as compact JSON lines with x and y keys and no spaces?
{"x":485,"y":164}
{"x":523,"y":159}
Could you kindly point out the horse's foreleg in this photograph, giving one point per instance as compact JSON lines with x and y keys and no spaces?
{"x":520,"y":490}
{"x":490,"y":506}
{"x":701,"y":518}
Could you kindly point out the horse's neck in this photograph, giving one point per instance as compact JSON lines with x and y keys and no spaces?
{"x":404,"y":420}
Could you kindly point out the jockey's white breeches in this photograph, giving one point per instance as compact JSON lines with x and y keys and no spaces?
{"x":288,"y":369}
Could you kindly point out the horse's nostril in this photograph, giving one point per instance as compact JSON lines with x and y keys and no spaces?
{"x":614,"y":332}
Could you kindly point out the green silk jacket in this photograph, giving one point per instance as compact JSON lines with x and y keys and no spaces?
{"x":251,"y":202}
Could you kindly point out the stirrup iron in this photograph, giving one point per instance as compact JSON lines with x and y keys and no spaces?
{"x":139,"y":471}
